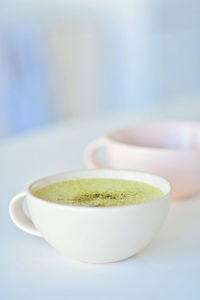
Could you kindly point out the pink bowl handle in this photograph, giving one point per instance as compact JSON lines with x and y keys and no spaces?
{"x":90,"y":151}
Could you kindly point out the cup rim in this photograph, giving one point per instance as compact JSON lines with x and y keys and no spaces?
{"x":166,"y":195}
{"x":110,"y":137}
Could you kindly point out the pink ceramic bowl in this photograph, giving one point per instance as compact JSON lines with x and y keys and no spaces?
{"x":169,"y":149}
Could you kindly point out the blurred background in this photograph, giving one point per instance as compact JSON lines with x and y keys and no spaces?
{"x":64,"y":59}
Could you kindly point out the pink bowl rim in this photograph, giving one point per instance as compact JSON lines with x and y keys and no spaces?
{"x":192,"y":124}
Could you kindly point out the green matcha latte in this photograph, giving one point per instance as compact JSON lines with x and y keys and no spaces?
{"x":99,"y":192}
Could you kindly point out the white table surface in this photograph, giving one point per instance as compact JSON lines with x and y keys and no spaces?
{"x":169,"y":268}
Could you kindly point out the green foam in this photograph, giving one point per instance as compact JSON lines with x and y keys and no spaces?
{"x":99,"y":192}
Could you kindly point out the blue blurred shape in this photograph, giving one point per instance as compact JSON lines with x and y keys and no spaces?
{"x":27,"y":86}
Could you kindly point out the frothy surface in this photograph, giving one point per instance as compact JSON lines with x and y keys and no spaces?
{"x":99,"y":192}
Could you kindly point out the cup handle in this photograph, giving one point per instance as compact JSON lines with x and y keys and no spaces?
{"x":90,"y":151}
{"x":19,"y":217}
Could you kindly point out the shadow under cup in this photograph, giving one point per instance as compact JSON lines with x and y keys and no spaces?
{"x":168,"y":149}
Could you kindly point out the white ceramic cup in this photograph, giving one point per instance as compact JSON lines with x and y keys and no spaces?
{"x":169,"y":149}
{"x":93,"y":234}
